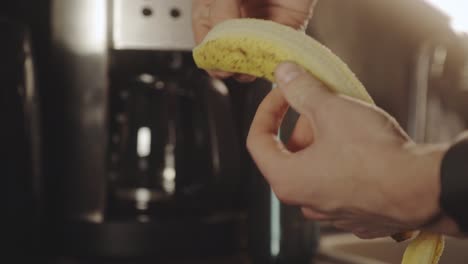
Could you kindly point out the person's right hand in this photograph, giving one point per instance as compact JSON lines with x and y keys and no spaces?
{"x":347,"y":162}
{"x":208,"y":13}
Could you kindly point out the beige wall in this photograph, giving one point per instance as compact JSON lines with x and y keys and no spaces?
{"x":378,"y":39}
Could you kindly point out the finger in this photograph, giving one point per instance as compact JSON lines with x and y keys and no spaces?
{"x":267,"y":151}
{"x":225,"y":9}
{"x":201,"y":22}
{"x":207,"y":13}
{"x":315,"y":215}
{"x":370,"y":234}
{"x":302,"y":135}
{"x":219,"y":74}
{"x":346,"y":225}
{"x":244,"y":78}
{"x":295,"y":14}
{"x":303,"y":92}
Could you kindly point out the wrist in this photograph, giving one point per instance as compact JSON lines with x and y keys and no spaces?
{"x":428,"y":160}
{"x":443,"y":224}
{"x":428,"y":211}
{"x":417,"y":204}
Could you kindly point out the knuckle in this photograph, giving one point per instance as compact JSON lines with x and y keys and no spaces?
{"x":311,"y":95}
{"x":299,"y":90}
{"x":283,"y":192}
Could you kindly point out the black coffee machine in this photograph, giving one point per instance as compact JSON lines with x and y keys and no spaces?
{"x":140,"y":154}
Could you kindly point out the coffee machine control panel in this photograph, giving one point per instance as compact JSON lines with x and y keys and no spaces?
{"x":152,"y":25}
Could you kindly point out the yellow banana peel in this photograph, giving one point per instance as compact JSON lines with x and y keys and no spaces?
{"x":256,"y":47}
{"x":424,"y":249}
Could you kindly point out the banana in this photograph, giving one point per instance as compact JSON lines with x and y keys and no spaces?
{"x":256,"y":47}
{"x":425,"y":248}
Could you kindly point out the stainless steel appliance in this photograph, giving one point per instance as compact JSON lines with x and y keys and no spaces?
{"x":20,"y":163}
{"x":143,"y":155}
{"x":149,"y":145}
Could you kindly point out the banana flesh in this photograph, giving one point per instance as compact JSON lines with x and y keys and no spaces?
{"x":256,"y":47}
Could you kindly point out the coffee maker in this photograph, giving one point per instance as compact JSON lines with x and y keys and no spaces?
{"x":149,"y":149}
{"x":141,"y":152}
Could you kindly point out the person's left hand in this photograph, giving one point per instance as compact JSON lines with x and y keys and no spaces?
{"x":208,"y":13}
{"x":347,"y":162}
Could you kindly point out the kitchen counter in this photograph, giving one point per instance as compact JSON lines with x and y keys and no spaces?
{"x":241,"y":258}
{"x":228,"y":260}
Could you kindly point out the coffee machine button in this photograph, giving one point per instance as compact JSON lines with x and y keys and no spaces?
{"x":147,"y":11}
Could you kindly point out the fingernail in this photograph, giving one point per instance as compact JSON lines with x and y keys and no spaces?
{"x":219,"y":74}
{"x":287,"y":72}
{"x":244,"y":78}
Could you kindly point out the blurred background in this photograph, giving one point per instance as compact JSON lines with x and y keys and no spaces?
{"x":117,"y":149}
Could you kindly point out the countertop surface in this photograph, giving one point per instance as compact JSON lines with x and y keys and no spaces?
{"x":241,"y":258}
{"x":225,"y":260}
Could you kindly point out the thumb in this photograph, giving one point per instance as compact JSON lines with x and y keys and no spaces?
{"x":303,"y":92}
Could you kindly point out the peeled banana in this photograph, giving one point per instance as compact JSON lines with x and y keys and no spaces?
{"x":256,"y":47}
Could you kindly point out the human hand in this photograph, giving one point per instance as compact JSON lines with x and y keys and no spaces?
{"x":208,"y":13}
{"x":347,"y":162}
